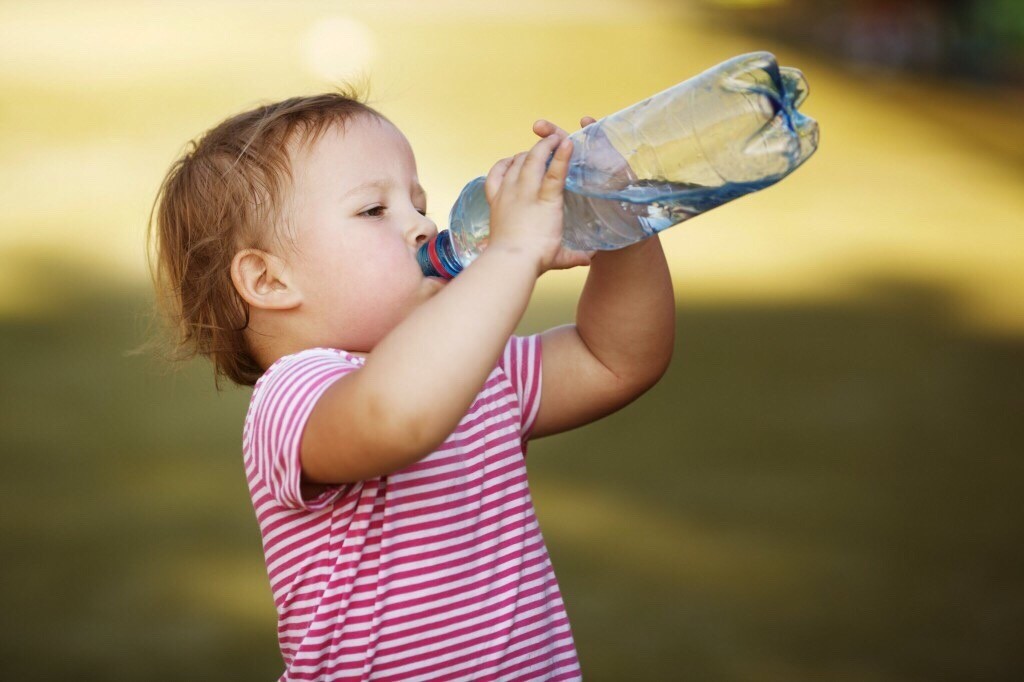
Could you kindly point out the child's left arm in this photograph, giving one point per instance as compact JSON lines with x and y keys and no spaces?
{"x":621,"y":343}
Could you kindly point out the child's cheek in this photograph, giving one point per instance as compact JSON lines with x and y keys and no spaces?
{"x":392,"y":256}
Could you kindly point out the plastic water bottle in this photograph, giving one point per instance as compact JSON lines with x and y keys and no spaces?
{"x":730,"y":131}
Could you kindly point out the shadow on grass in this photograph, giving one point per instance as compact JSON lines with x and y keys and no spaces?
{"x":812,"y":492}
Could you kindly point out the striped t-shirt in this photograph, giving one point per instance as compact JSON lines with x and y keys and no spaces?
{"x":434,"y":572}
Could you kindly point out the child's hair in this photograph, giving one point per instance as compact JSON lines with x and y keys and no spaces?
{"x":226,"y":193}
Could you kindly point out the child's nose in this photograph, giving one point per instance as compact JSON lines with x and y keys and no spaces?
{"x":424,"y":230}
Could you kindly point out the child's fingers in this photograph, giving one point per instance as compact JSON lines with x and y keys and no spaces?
{"x":543,"y":128}
{"x":516,"y":167}
{"x":569,"y":258}
{"x":538,"y":156}
{"x":494,"y":178}
{"x":553,"y":184}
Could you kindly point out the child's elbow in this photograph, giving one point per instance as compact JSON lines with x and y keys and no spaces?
{"x":650,"y":372}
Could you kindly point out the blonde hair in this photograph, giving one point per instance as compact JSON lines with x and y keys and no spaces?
{"x":225,"y":193}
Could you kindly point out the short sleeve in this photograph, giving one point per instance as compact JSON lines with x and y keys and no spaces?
{"x":282,"y":402}
{"x":521,"y":363}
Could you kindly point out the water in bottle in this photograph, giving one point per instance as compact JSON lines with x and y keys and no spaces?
{"x":732,"y":130}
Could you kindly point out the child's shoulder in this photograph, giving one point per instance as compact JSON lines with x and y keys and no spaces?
{"x":295,"y":379}
{"x":321,"y":359}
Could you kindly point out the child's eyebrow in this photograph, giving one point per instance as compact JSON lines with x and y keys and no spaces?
{"x":380,"y":184}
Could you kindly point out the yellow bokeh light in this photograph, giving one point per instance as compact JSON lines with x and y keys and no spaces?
{"x":100,"y":99}
{"x":336,"y":48}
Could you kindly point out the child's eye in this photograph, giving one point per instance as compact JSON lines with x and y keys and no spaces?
{"x":369,"y":211}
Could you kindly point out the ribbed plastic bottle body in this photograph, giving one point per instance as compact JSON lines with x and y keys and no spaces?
{"x":470,"y":221}
{"x":730,"y":131}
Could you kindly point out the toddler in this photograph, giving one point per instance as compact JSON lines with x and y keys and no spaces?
{"x":385,"y":440}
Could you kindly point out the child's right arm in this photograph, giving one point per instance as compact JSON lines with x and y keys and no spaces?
{"x":421,"y":379}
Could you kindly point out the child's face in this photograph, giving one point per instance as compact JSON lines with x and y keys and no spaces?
{"x":355,"y":263}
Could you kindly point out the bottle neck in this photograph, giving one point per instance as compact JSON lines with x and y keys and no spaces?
{"x":437,"y":257}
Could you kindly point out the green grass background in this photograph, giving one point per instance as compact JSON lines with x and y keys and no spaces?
{"x":811,"y":492}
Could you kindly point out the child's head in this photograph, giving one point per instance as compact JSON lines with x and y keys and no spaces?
{"x":266,"y":244}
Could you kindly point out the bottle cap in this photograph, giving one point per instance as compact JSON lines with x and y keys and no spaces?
{"x":437,"y":258}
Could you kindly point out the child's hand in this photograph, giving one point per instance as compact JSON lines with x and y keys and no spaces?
{"x":544,"y":127}
{"x":527,"y":203}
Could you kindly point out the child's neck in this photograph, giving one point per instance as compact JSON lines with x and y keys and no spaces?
{"x":271,"y":351}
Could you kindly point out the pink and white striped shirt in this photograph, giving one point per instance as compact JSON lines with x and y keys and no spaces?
{"x":434,"y":572}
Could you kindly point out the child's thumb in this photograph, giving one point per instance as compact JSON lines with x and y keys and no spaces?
{"x":569,"y":258}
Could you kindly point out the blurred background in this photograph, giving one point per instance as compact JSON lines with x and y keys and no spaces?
{"x":824,"y":486}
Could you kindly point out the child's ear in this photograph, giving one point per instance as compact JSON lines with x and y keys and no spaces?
{"x":263,"y":280}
